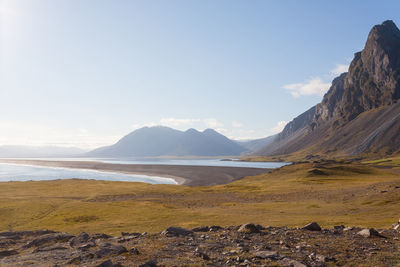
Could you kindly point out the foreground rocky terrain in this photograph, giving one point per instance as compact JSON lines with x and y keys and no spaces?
{"x":245,"y":245}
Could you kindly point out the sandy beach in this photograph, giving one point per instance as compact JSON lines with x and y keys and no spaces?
{"x":183,"y":174}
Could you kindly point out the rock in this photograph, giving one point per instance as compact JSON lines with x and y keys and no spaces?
{"x":260,"y":227}
{"x":130,"y":234}
{"x":312,"y":227}
{"x":47,"y":239}
{"x":201,"y":254}
{"x":51,"y":248}
{"x":248,"y":228}
{"x":152,"y":263}
{"x":6,"y":253}
{"x":82,"y":239}
{"x":176,"y":231}
{"x":107,"y":263}
{"x":215,"y":228}
{"x":201,"y":229}
{"x":370,"y":233}
{"x":266,"y":254}
{"x":101,"y":236}
{"x":109,"y":249}
{"x":291,"y":263}
{"x":338,"y":227}
{"x":397,"y":227}
{"x":134,"y":251}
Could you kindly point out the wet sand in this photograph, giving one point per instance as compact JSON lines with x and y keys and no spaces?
{"x":183,"y":174}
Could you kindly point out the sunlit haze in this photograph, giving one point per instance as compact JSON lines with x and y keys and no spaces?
{"x":86,"y":73}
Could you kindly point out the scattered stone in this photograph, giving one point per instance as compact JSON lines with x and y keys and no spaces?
{"x":152,"y":263}
{"x":176,"y":231}
{"x":370,"y":233}
{"x":101,"y":236}
{"x":201,"y":229}
{"x":260,"y":227}
{"x":109,"y":249}
{"x":215,"y":228}
{"x":291,"y":263}
{"x":51,"y":248}
{"x":130,"y":234}
{"x":80,"y":240}
{"x":6,"y":253}
{"x":339,"y":227}
{"x":266,"y":254}
{"x":134,"y":251}
{"x":248,"y":228}
{"x":312,"y":227}
{"x":48,"y":239}
{"x":107,"y":263}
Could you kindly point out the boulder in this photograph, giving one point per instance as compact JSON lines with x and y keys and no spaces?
{"x":371,"y":232}
{"x":249,"y":228}
{"x":109,"y":249}
{"x":80,"y":240}
{"x":176,"y":231}
{"x":134,"y":251}
{"x":151,"y":263}
{"x":49,"y":239}
{"x":312,"y":227}
{"x":266,"y":254}
{"x":201,"y":229}
{"x":109,"y":263}
{"x":6,"y":253}
{"x":291,"y":263}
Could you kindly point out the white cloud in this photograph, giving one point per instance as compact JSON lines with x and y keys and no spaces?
{"x":315,"y":86}
{"x":236,"y":124}
{"x":279,"y":127}
{"x":339,"y":69}
{"x":212,"y":123}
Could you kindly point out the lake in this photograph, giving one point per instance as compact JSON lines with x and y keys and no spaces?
{"x":17,"y":172}
{"x":176,"y":161}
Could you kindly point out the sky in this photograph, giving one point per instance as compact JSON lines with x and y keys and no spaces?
{"x":85,"y":73}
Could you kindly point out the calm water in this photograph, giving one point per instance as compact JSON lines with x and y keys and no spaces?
{"x":16,"y":172}
{"x":197,"y":162}
{"x":188,"y":162}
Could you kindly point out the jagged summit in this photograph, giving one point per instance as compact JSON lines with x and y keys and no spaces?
{"x":372,"y":83}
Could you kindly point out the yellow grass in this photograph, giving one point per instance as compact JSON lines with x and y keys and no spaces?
{"x":294,"y":195}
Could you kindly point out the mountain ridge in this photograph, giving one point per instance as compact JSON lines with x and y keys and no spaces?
{"x":356,"y":98}
{"x":164,"y":141}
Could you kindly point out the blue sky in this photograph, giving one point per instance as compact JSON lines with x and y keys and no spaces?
{"x":85,"y":73}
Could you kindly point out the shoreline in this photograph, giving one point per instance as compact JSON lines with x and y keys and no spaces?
{"x":182,"y":174}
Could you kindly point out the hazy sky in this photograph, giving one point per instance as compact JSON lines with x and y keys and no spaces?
{"x":85,"y":73}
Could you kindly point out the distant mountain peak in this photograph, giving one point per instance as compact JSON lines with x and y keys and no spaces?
{"x":164,"y":141}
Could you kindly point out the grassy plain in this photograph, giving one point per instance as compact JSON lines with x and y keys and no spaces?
{"x":329,"y":193}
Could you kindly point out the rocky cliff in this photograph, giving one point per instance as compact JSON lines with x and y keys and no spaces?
{"x":370,"y":88}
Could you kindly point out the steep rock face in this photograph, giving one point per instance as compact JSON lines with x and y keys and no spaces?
{"x":348,"y":120}
{"x":372,"y":81}
{"x":297,"y":123}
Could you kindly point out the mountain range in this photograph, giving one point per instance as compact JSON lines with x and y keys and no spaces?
{"x":164,"y":141}
{"x":360,"y":113}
